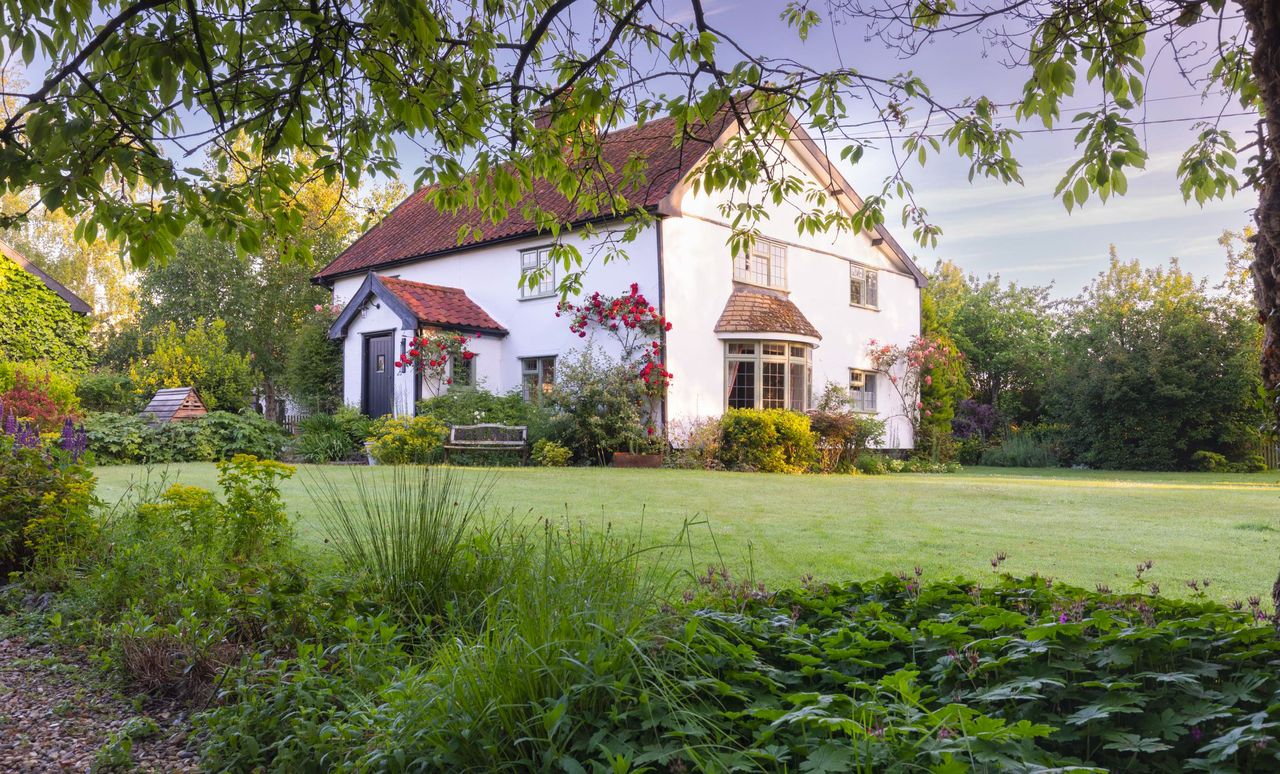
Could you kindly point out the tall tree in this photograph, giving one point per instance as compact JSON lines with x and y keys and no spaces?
{"x":1155,"y":368}
{"x":1004,"y":332}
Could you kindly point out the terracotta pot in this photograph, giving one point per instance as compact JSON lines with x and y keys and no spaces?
{"x":630,"y":460}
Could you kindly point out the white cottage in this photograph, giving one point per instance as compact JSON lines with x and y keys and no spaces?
{"x":766,"y":330}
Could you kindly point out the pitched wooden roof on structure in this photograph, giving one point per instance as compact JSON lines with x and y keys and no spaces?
{"x":174,"y":403}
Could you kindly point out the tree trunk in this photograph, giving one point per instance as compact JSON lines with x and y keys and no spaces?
{"x":1263,"y":17}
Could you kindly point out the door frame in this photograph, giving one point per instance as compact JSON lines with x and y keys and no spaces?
{"x":364,"y":368}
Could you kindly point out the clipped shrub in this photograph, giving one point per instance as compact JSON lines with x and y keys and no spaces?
{"x":550,"y":454}
{"x":767,"y":440}
{"x":407,"y":440}
{"x":108,"y":391}
{"x":871,"y":464}
{"x":1021,"y":450}
{"x":1252,"y":463}
{"x":1211,"y":462}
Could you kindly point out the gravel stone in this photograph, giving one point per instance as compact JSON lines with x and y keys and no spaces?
{"x":55,"y":714}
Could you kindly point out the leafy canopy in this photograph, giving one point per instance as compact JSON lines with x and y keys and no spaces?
{"x":150,"y":115}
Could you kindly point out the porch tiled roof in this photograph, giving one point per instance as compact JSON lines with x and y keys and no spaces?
{"x":440,"y":305}
{"x":757,"y":310}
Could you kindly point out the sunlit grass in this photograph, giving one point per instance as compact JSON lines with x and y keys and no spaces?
{"x":1083,"y":527}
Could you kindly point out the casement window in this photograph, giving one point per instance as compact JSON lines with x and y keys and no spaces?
{"x":537,"y":260}
{"x":768,"y":374}
{"x":862,"y":390}
{"x":463,"y":372}
{"x":864,"y":286}
{"x":537,"y":374}
{"x":765,"y":265}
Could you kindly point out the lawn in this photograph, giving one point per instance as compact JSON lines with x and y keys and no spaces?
{"x":1083,"y":527}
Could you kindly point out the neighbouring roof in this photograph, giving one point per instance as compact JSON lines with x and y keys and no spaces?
{"x":419,"y":304}
{"x":174,"y":403}
{"x":78,"y":304}
{"x":757,"y":310}
{"x":416,"y":229}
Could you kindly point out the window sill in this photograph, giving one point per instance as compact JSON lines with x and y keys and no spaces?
{"x":868,"y":307}
{"x":538,"y":297}
{"x":775,"y":288}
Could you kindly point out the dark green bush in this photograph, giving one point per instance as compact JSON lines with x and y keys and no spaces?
{"x":871,"y":464}
{"x":475,"y":407}
{"x":218,"y":435}
{"x":1210,"y":461}
{"x":1021,"y":450}
{"x":108,"y":391}
{"x":332,"y":437}
{"x":767,"y":440}
{"x":596,"y":407}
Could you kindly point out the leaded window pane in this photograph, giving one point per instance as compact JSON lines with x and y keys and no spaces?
{"x":798,"y":392}
{"x":742,"y":384}
{"x":773,"y":385}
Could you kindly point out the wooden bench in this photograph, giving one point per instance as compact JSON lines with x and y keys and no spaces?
{"x":488,"y":438}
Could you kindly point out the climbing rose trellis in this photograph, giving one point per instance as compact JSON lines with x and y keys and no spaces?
{"x":637,"y":326}
{"x":430,"y":354}
{"x":907,"y":369}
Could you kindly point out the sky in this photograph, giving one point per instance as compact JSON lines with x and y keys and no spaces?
{"x":1022,"y":232}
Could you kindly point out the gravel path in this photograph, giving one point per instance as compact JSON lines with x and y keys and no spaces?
{"x":56,"y":716}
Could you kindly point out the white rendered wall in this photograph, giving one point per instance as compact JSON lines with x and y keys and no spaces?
{"x":490,"y":275}
{"x":699,"y":279}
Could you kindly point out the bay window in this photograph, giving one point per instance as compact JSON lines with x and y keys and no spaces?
{"x":768,"y":374}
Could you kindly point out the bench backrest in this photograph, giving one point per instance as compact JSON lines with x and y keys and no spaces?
{"x":489,"y":435}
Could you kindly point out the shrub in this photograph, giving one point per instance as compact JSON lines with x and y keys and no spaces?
{"x":322,"y":438}
{"x":474,"y":407}
{"x":871,"y":464}
{"x":107,"y":391}
{"x":596,"y":407}
{"x":201,"y":358}
{"x":406,"y":440}
{"x":313,"y":369}
{"x":1021,"y":450}
{"x":45,"y":498}
{"x":843,"y":436}
{"x":550,"y":454}
{"x":767,"y":440}
{"x":246,"y":433}
{"x":1252,"y":463}
{"x":218,"y":435}
{"x":695,"y":443}
{"x":34,"y":392}
{"x":1210,"y":461}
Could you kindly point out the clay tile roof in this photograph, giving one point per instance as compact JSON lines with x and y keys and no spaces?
{"x":756,"y":310}
{"x":416,"y":229}
{"x":439,"y":305}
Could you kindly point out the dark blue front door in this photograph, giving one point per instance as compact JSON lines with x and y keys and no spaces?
{"x":379,"y":374}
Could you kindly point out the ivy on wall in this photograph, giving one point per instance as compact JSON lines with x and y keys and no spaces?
{"x":36,"y":324}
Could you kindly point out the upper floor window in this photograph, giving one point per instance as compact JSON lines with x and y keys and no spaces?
{"x":862,"y":390}
{"x":765,"y":265}
{"x":767,"y":374}
{"x":864,"y":286}
{"x":537,"y":260}
{"x":537,"y":374}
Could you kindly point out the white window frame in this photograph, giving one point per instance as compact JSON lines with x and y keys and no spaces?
{"x":531,"y":260}
{"x":862,"y":390}
{"x":746,"y":268}
{"x":794,"y":356}
{"x":868,"y":278}
{"x":537,"y":365}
